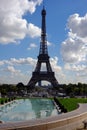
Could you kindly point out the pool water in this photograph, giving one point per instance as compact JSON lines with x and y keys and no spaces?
{"x":27,"y":109}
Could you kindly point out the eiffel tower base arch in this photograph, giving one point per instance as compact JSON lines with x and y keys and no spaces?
{"x":43,"y":76}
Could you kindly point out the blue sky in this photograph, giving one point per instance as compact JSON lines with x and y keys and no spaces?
{"x":20,"y":28}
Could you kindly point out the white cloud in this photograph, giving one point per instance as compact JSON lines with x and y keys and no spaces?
{"x":79,"y":68}
{"x":76,"y":72}
{"x":12,"y":70}
{"x":54,"y":63}
{"x":1,"y":63}
{"x":74,"y":48}
{"x":33,"y":30}
{"x":78,"y":25}
{"x":12,"y":25}
{"x":32,"y":45}
{"x":20,"y":61}
{"x":67,"y":66}
{"x":29,"y":5}
{"x":75,"y":68}
{"x":82,"y":75}
{"x":58,"y":70}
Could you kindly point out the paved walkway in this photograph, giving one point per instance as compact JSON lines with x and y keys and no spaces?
{"x":47,"y":122}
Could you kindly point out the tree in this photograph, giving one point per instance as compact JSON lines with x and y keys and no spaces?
{"x":20,"y":86}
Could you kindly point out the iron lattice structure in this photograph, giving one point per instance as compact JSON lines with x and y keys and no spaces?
{"x":48,"y":74}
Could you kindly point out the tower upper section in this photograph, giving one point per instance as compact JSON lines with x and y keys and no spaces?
{"x":43,"y":13}
{"x":43,"y":43}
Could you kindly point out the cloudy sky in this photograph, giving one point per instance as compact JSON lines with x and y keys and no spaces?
{"x":20,"y":28}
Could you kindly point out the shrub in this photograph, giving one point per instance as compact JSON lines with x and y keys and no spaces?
{"x":2,"y":101}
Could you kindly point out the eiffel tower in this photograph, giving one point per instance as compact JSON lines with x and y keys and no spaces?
{"x":38,"y":75}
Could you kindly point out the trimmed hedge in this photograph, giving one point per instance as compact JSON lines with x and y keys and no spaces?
{"x":5,"y":100}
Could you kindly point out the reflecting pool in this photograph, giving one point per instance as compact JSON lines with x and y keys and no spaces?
{"x":27,"y":109}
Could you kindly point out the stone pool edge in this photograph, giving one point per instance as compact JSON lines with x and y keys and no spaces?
{"x":50,"y":123}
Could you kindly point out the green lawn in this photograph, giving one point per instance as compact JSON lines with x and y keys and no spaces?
{"x":72,"y":103}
